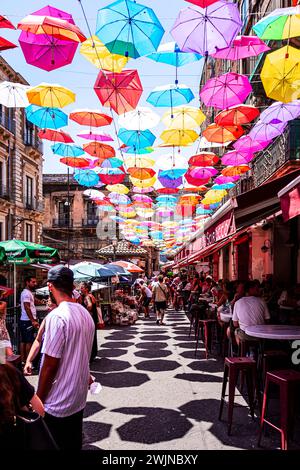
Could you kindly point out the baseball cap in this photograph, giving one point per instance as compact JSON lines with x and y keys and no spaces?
{"x":61,"y":274}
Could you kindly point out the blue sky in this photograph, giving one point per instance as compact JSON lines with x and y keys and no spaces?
{"x":80,"y":76}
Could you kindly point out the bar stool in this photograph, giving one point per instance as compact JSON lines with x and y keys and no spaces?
{"x":232,"y":368}
{"x":273,"y":360}
{"x":206,"y":324}
{"x":287,"y":381}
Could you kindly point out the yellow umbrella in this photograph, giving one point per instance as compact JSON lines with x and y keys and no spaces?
{"x":97,"y":53}
{"x":183,"y":117}
{"x":179,"y":137}
{"x":127,"y":214}
{"x":143,"y":183}
{"x":280,"y":74}
{"x":50,"y":95}
{"x":117,"y":188}
{"x":139,"y":162}
{"x":214,"y":195}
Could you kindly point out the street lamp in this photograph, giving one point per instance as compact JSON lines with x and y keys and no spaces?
{"x":114,"y":244}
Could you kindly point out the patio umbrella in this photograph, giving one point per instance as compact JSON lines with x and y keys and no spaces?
{"x":242,"y":47}
{"x":90,"y":117}
{"x":95,"y":135}
{"x":136,"y":138}
{"x":97,"y":53}
{"x":86,"y":177}
{"x":222,"y":134}
{"x":50,"y":95}
{"x":56,"y":27}
{"x":237,"y":115}
{"x":5,"y":23}
{"x":226,"y":90}
{"x":117,"y":269}
{"x":266,"y":131}
{"x":13,"y":95}
{"x":141,"y":118}
{"x":120,"y":91}
{"x":203,"y":31}
{"x":168,"y":96}
{"x":281,"y":23}
{"x":204,"y":159}
{"x":280,"y":74}
{"x":55,"y":136}
{"x":235,"y":170}
{"x":235,"y":158}
{"x":5,"y":44}
{"x":99,"y":150}
{"x":88,"y":271}
{"x":66,"y":150}
{"x":183,"y":117}
{"x":179,"y":137}
{"x":23,"y":252}
{"x":247,"y":143}
{"x":282,"y":112}
{"x":131,"y":267}
{"x":44,"y":117}
{"x":75,"y":162}
{"x":129,"y":28}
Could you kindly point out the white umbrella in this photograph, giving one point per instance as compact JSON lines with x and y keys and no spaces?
{"x":139,"y":119}
{"x":94,"y":194}
{"x":13,"y":95}
{"x":170,"y":161}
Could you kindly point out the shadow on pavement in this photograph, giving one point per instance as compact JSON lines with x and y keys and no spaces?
{"x":94,"y":431}
{"x":155,"y":338}
{"x":109,"y":365}
{"x":117,"y":344}
{"x":111,"y":352}
{"x":155,"y":345}
{"x":157,"y":366}
{"x":121,"y":379}
{"x":91,"y":408}
{"x":199,"y":377}
{"x":152,"y":353}
{"x":207,"y":365}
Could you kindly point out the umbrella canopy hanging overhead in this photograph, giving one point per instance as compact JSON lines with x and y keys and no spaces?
{"x":282,"y":23}
{"x":141,"y":173}
{"x":5,"y":44}
{"x":50,"y":95}
{"x":99,"y":150}
{"x":136,"y":138}
{"x":183,"y":117}
{"x":55,"y":136}
{"x":178,"y":137}
{"x":97,"y":53}
{"x":204,"y":30}
{"x":196,"y":181}
{"x":98,"y":136}
{"x":282,"y":112}
{"x":202,"y":173}
{"x":44,"y":117}
{"x":171,"y":54}
{"x":13,"y":95}
{"x":204,"y":159}
{"x":141,"y":118}
{"x":112,"y":179}
{"x":242,"y":47}
{"x":66,"y":150}
{"x":222,"y":134}
{"x":168,"y":96}
{"x":136,"y":150}
{"x":117,"y":188}
{"x":90,"y":117}
{"x":247,"y":143}
{"x":75,"y":162}
{"x":129,"y":28}
{"x":5,"y":23}
{"x":111,"y":163}
{"x":266,"y":131}
{"x":237,"y":115}
{"x":236,"y":158}
{"x":119,"y":91}
{"x":139,"y":162}
{"x":165,"y":178}
{"x":280,"y":74}
{"x":56,"y":27}
{"x":226,"y":90}
{"x":235,"y":170}
{"x":86,"y":177}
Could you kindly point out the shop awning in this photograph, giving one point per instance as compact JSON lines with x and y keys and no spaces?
{"x":290,"y":199}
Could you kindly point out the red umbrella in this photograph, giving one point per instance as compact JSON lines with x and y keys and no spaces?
{"x":75,"y":162}
{"x":5,"y":44}
{"x":99,"y":150}
{"x":196,"y":181}
{"x":91,"y":118}
{"x":236,"y":115}
{"x":112,"y":179}
{"x":6,"y":291}
{"x":222,"y":134}
{"x":204,"y":159}
{"x":55,"y":136}
{"x":202,"y":3}
{"x":120,"y":91}
{"x":167,"y":190}
{"x":5,"y":23}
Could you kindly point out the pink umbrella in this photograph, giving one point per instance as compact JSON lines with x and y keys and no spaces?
{"x":136,"y":189}
{"x":202,"y":172}
{"x":141,"y":198}
{"x":247,"y":143}
{"x":96,"y":136}
{"x":263,"y":131}
{"x":226,"y":179}
{"x":226,"y":90}
{"x":165,"y":213}
{"x":235,"y":158}
{"x":241,"y":48}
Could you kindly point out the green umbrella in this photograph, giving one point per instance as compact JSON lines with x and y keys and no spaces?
{"x":23,"y":253}
{"x":3,"y":256}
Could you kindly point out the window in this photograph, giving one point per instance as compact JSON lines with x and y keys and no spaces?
{"x":64,"y":213}
{"x":29,"y":192}
{"x":91,"y":213}
{"x":29,"y":133}
{"x":244,"y":14}
{"x":7,"y":118}
{"x":28,"y":232}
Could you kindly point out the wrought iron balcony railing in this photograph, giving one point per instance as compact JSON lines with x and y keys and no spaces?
{"x":62,"y":222}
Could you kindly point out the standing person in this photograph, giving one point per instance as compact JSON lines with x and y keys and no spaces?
{"x":90,"y":303}
{"x":64,"y":376}
{"x":160,"y":296}
{"x":28,"y":321}
{"x":4,"y":335}
{"x":146,"y":297}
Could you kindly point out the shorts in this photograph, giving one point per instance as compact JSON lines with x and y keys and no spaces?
{"x":161,"y":305}
{"x":243,"y":336}
{"x":147,"y":301}
{"x":27,"y":331}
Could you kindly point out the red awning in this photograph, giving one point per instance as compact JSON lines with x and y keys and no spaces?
{"x":290,"y":199}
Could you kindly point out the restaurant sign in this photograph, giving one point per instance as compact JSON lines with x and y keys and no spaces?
{"x":221,"y":229}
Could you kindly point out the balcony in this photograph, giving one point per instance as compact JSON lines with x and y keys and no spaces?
{"x":4,"y":192}
{"x":62,"y":221}
{"x":33,"y":204}
{"x":90,"y":221}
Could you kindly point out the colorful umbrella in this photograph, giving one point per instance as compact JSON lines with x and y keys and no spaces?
{"x":141,"y":173}
{"x":172,"y":161}
{"x":222,"y":134}
{"x":60,"y":29}
{"x":173,"y":173}
{"x":282,"y":23}
{"x":183,"y":117}
{"x":94,"y":135}
{"x":5,"y":23}
{"x":212,"y":196}
{"x":247,"y":143}
{"x":51,"y":118}
{"x":111,"y":163}
{"x":140,"y":190}
{"x":112,"y":179}
{"x":203,"y":31}
{"x":118,"y":188}
{"x":204,"y":159}
{"x":226,"y":90}
{"x":129,"y":29}
{"x":237,"y":115}
{"x":146,"y":183}
{"x":139,"y":162}
{"x":282,"y":112}
{"x":178,"y":137}
{"x":280,"y":74}
{"x":171,"y":54}
{"x":235,"y":158}
{"x":99,"y":150}
{"x":168,"y":96}
{"x":13,"y":95}
{"x":54,"y":12}
{"x":116,"y":198}
{"x":202,"y":173}
{"x":136,"y":138}
{"x":266,"y":131}
{"x":196,"y":181}
{"x":75,"y":162}
{"x":90,"y":117}
{"x":235,"y":170}
{"x":131,"y":267}
{"x":167,"y":190}
{"x":86,"y":177}
{"x":242,"y":47}
{"x":94,"y":194}
{"x":97,"y":53}
{"x":168,"y":182}
{"x":120,"y":91}
{"x":66,"y":150}
{"x":5,"y":44}
{"x":226,"y":179}
{"x":141,"y":118}
{"x":55,"y":136}
{"x":50,"y":95}
{"x":223,"y":186}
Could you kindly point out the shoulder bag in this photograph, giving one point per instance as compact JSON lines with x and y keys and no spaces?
{"x":33,"y":433}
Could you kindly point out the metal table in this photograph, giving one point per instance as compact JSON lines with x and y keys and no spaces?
{"x":279,"y":332}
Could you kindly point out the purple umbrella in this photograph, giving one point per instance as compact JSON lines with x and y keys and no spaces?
{"x":236,"y":158}
{"x":246,"y":143}
{"x":266,"y":131}
{"x":205,"y":30}
{"x":226,"y":90}
{"x":168,"y":182}
{"x":281,"y":112}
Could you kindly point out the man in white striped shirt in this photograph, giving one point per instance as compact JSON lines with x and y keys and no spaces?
{"x":64,"y":376}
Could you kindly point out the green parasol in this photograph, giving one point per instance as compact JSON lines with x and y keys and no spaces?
{"x":23,"y":253}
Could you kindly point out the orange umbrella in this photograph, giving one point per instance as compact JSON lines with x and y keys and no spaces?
{"x":75,"y":162}
{"x":55,"y":27}
{"x":204,"y":159}
{"x":198,"y":189}
{"x":237,"y":115}
{"x":132,"y":268}
{"x":91,"y":118}
{"x":235,"y":170}
{"x":189,"y":199}
{"x":222,"y":134}
{"x":141,"y":173}
{"x":97,"y":149}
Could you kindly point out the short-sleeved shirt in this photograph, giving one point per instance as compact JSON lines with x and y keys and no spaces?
{"x":160,"y":292}
{"x":27,"y":297}
{"x":69,"y":332}
{"x":250,"y":311}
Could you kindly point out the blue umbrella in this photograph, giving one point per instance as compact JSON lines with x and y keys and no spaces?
{"x":137,"y":139}
{"x":137,"y":150}
{"x":86,"y":177}
{"x":173,"y":173}
{"x":117,"y":269}
{"x":112,"y":163}
{"x":110,"y":171}
{"x":88,"y":271}
{"x":170,"y":54}
{"x":129,"y":28}
{"x":168,"y":96}
{"x":201,"y":211}
{"x":223,"y":186}
{"x":167,"y":199}
{"x":66,"y":150}
{"x":46,"y":118}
